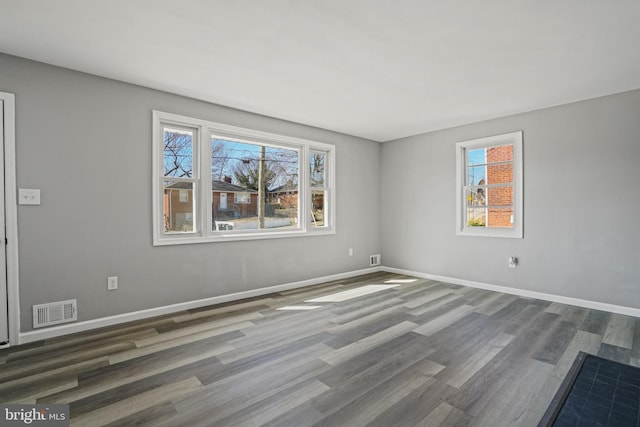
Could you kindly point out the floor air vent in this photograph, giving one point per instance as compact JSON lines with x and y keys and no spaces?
{"x":54,"y":313}
{"x":374,"y":260}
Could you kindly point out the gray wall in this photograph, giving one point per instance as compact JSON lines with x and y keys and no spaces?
{"x":85,"y":142}
{"x":581,"y":197}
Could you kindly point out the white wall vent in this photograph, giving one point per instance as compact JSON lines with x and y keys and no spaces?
{"x":374,"y":260}
{"x":54,"y":313}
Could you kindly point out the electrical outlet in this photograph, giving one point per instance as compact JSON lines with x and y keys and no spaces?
{"x":28,"y":196}
{"x":112,"y":283}
{"x":350,"y":251}
{"x":513,"y":262}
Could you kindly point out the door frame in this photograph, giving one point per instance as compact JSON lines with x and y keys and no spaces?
{"x":11,"y":216}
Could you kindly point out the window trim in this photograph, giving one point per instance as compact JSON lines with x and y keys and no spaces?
{"x":203,"y":199}
{"x":462,"y":148}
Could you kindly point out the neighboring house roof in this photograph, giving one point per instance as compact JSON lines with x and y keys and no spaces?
{"x":287,"y":188}
{"x":180,"y":186}
{"x":216,"y":186}
{"x":230,"y":188}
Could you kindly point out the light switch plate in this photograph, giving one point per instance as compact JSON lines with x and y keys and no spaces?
{"x":28,"y":196}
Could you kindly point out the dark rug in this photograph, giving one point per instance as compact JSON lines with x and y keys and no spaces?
{"x":596,"y":392}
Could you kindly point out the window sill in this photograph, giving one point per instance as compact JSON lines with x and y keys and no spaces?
{"x":233,"y":237}
{"x":497,"y":232}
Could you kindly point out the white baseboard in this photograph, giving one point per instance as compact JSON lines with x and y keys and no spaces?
{"x":612,"y":308}
{"x":56,"y":331}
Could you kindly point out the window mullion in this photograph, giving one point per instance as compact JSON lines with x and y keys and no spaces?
{"x":305,"y":212}
{"x":477,"y":165}
{"x":466,"y":173}
{"x":501,"y":185}
{"x":197,"y":190}
{"x":206,"y":195}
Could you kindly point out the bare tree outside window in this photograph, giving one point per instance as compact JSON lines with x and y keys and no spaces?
{"x":241,"y":161}
{"x":219,"y":159}
{"x":247,"y":174}
{"x":317,"y":169}
{"x":178,"y":153}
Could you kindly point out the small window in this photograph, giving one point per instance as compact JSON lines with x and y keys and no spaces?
{"x":319,"y":191}
{"x":243,"y":198}
{"x":489,"y":186}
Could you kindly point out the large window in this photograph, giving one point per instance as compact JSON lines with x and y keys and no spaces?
{"x":214,"y":182}
{"x":489,"y":186}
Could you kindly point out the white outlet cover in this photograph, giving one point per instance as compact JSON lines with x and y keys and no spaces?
{"x":112,"y":283}
{"x":28,"y":196}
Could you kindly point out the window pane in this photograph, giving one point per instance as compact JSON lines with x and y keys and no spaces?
{"x":500,"y":153}
{"x":243,"y":175}
{"x":489,"y":207}
{"x":179,"y":212}
{"x":318,"y":213}
{"x":178,"y":153}
{"x":476,"y":175}
{"x":476,"y":196}
{"x":500,"y":174}
{"x":477,"y":157}
{"x":500,"y":217}
{"x":317,"y":169}
{"x":490,"y":217}
{"x":500,"y":196}
{"x":476,"y":217}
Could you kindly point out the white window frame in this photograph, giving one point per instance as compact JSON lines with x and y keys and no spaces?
{"x":202,"y":232}
{"x":462,"y":148}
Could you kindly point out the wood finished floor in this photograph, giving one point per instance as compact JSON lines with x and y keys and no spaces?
{"x":421,"y":354}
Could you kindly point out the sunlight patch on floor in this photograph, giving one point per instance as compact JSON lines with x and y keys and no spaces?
{"x":353,"y":293}
{"x":299,"y":307}
{"x":401,"y":281}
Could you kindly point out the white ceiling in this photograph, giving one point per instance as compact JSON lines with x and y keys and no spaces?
{"x":379,"y":69}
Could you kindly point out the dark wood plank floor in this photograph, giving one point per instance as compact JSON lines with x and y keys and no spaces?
{"x":420,"y":354}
